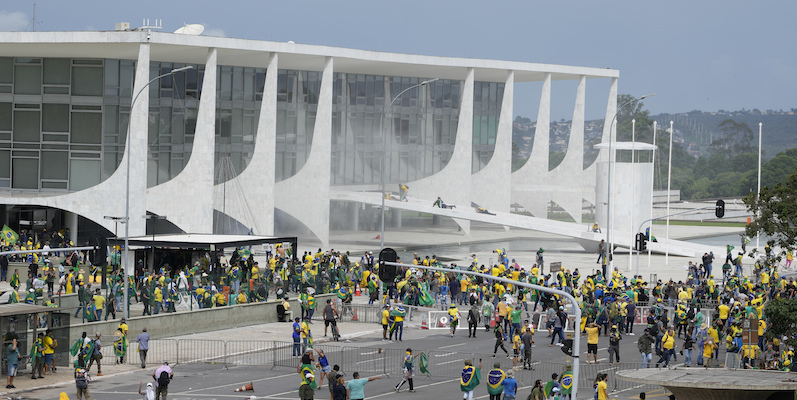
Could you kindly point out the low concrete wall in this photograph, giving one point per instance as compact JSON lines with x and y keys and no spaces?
{"x":200,"y":320}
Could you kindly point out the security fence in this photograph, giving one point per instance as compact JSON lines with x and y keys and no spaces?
{"x":366,"y":360}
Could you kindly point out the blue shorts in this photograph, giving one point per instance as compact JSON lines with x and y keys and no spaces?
{"x":48,"y":358}
{"x":326,"y":369}
{"x":12,"y":369}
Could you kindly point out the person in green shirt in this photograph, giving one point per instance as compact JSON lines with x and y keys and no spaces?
{"x":13,"y":297}
{"x":470,"y":379}
{"x":515,"y":317}
{"x":37,"y":357}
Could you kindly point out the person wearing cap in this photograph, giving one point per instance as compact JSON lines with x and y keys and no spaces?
{"x":305,"y":390}
{"x":408,"y":369}
{"x":149,"y":391}
{"x":558,"y":327}
{"x":510,"y":385}
{"x":453,"y":318}
{"x":614,"y":344}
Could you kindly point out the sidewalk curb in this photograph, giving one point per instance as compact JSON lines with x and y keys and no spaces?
{"x":55,"y":385}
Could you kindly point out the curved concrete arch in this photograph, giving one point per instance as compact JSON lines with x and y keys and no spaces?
{"x":535,"y":171}
{"x":93,"y":203}
{"x":453,"y":182}
{"x":305,"y":195}
{"x":259,"y":175}
{"x":185,"y":199}
{"x":494,"y":179}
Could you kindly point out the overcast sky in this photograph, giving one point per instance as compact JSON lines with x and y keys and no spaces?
{"x":705,"y":55}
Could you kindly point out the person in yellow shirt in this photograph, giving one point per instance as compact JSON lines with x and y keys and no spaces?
{"x":749,"y":354}
{"x":305,"y":334}
{"x":385,"y":321}
{"x":99,"y":303}
{"x":502,"y":313}
{"x":603,"y":387}
{"x":592,"y":341}
{"x":50,"y":344}
{"x":667,"y":345}
{"x":723,"y":311}
{"x":708,"y":352}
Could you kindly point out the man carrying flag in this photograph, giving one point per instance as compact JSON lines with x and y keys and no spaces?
{"x":566,"y":381}
{"x":470,"y":379}
{"x":397,"y":313}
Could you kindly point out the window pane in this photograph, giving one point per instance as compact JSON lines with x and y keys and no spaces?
{"x":87,"y":81}
{"x":28,"y":79}
{"x":86,"y":128}
{"x":56,"y":71}
{"x":26,"y":173}
{"x":5,"y":116}
{"x":54,"y":165}
{"x":84,"y":174}
{"x":5,"y":164}
{"x":26,"y":126}
{"x":55,"y":117}
{"x":6,"y":69}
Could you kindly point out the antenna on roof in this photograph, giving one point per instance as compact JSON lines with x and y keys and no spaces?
{"x":32,"y":23}
{"x":158,"y":24}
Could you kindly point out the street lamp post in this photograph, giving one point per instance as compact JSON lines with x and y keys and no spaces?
{"x":758,"y":193}
{"x":127,"y":187}
{"x":384,"y":155}
{"x":669,"y":180}
{"x":608,"y":248}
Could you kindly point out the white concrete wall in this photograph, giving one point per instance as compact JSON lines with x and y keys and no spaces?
{"x":256,"y":181}
{"x":305,"y":196}
{"x":453,"y":182}
{"x":187,"y":199}
{"x":493,"y":182}
{"x":604,"y":156}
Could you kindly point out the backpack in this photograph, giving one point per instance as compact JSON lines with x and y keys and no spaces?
{"x":80,"y":380}
{"x":163,"y":379}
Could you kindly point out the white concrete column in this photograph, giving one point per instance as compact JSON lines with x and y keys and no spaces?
{"x":71,"y":223}
{"x":186,"y":199}
{"x":139,"y":132}
{"x":601,"y":176}
{"x":570,"y":197}
{"x":354,"y":215}
{"x":453,"y":182}
{"x":494,"y":180}
{"x":292,"y":196}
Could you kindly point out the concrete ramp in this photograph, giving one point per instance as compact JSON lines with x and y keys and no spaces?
{"x":584,"y":236}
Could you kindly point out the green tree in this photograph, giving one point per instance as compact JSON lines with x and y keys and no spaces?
{"x":775,"y":213}
{"x":517,"y":159}
{"x":781,"y":316}
{"x":554,"y":158}
{"x":737,"y":138}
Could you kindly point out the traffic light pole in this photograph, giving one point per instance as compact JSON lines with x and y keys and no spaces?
{"x":667,"y":216}
{"x":576,"y":308}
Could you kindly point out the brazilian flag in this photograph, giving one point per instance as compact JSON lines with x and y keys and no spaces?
{"x":305,"y":368}
{"x":469,"y":379}
{"x":495,"y":380}
{"x":398,"y":312}
{"x":567,"y":382}
{"x":76,"y":347}
{"x":9,"y":235}
{"x":424,"y":364}
{"x":426,"y":299}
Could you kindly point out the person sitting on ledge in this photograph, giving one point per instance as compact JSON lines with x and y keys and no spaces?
{"x":284,"y":311}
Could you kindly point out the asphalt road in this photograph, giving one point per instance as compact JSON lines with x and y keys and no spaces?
{"x":210,"y":381}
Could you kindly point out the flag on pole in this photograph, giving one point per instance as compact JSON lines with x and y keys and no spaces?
{"x":9,"y":235}
{"x":424,"y":364}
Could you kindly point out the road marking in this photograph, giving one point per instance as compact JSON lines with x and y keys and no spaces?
{"x":239,"y":384}
{"x":445,"y":354}
{"x":453,"y":345}
{"x":448,"y":362}
{"x":417,"y":387}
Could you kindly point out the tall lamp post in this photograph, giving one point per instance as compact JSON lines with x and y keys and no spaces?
{"x":384,"y":155}
{"x":609,"y":180}
{"x":127,"y":187}
{"x":758,"y":192}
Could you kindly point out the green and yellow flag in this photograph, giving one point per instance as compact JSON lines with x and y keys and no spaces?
{"x":9,"y":235}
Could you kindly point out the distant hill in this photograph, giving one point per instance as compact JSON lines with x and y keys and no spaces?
{"x":699,"y":128}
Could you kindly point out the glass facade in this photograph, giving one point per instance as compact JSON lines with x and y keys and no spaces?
{"x":297,"y":104}
{"x":63,"y":122}
{"x":53,"y":131}
{"x":421,"y":128}
{"x":487,"y":98}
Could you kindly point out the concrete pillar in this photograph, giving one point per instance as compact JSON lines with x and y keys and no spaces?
{"x":71,"y":223}
{"x":436,"y":220}
{"x":395,"y":216}
{"x":354,"y":216}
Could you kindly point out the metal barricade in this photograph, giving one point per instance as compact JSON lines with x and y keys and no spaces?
{"x":249,"y":352}
{"x":284,"y":355}
{"x":160,"y":351}
{"x":370,"y":360}
{"x":449,"y":364}
{"x":192,"y":351}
